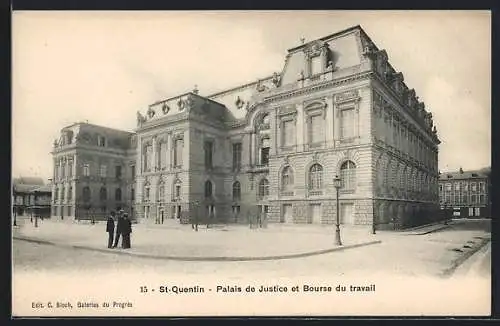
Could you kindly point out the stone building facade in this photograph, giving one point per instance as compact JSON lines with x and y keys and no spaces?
{"x":273,"y":146}
{"x":465,"y":193}
{"x":93,"y":171}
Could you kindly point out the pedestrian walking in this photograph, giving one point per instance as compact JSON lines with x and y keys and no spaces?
{"x":110,"y":228}
{"x":119,"y":229}
{"x":126,"y":231}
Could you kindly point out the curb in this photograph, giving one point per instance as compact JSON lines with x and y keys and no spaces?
{"x":430,"y":231}
{"x":194,"y":258}
{"x":460,"y":260}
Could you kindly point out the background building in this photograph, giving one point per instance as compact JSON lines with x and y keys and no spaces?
{"x":93,"y":171}
{"x":31,"y":196}
{"x":273,"y":146}
{"x":465,"y":193}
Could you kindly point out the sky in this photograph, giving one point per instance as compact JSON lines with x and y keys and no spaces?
{"x":105,"y":66}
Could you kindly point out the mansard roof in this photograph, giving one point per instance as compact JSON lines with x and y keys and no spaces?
{"x":463,"y":175}
{"x":344,"y":50}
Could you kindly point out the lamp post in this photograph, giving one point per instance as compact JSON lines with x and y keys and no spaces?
{"x":337,"y":183}
{"x":14,"y":207}
{"x":35,"y":208}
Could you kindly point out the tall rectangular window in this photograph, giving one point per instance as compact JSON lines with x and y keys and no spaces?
{"x":132,"y":170}
{"x":86,"y":169}
{"x":208,"y":148}
{"x":347,"y":126}
{"x":149,"y":158}
{"x":288,"y":133}
{"x":316,"y":131}
{"x":118,"y":171}
{"x":481,"y":187}
{"x":70,"y":169}
{"x":237,"y":156}
{"x":104,"y":170}
{"x":473,"y":186}
{"x":179,"y":144}
{"x":264,"y":151}
{"x":162,"y":155}
{"x":101,"y":141}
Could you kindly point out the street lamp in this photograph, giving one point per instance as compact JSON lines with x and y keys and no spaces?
{"x":35,"y":209}
{"x":337,"y":183}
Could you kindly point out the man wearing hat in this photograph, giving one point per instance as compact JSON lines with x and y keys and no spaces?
{"x":126,"y":230}
{"x":110,"y":228}
{"x":119,"y":228}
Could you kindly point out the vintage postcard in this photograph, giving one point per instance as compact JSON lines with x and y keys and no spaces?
{"x":251,"y":163}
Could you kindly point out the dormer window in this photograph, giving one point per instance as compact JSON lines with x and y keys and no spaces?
{"x":101,"y":141}
{"x":316,"y":65}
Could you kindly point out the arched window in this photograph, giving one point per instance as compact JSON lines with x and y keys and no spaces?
{"x":265,"y":122}
{"x":263,"y":188}
{"x":287,"y":179}
{"x":316,"y":177}
{"x":103,"y":195}
{"x":348,"y":175}
{"x":86,"y":194}
{"x":236,"y":191}
{"x":208,"y":189}
{"x":118,"y":194}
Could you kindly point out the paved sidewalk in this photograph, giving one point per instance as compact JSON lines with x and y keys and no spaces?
{"x":180,"y":242}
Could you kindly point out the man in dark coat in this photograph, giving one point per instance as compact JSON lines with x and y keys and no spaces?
{"x":126,"y":230}
{"x":110,"y":228}
{"x":119,"y":229}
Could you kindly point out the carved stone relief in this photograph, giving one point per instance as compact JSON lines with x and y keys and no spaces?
{"x":165,"y":108}
{"x":150,"y":112}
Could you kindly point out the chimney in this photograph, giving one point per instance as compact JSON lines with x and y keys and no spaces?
{"x":461,"y":171}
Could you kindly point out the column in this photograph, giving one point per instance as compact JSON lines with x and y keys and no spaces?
{"x":336,"y":122}
{"x":253,"y":161}
{"x":154,"y":162}
{"x":75,"y":166}
{"x":168,"y":150}
{"x":185,"y":150}
{"x":69,"y":165}
{"x":54,"y":172}
{"x":275,"y":130}
{"x":300,"y":127}
{"x":138,"y":161}
{"x":329,"y":122}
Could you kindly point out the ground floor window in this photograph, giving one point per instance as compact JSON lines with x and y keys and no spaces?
{"x":477,"y":211}
{"x":471,"y":211}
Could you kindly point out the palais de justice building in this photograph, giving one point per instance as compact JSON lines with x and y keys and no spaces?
{"x":273,"y":146}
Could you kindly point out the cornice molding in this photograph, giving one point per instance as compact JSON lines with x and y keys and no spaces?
{"x":317,"y":87}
